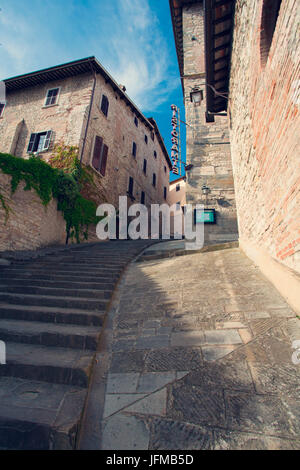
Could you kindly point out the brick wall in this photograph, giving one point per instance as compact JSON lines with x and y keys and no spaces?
{"x":207,"y":144}
{"x":264,"y":110}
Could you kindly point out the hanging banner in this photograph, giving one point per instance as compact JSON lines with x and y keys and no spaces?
{"x":175,"y":139}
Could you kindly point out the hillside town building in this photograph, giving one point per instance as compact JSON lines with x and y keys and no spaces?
{"x":80,"y":104}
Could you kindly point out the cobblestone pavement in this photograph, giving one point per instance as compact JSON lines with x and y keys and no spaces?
{"x":201,"y":358}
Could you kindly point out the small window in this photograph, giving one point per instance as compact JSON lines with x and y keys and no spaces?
{"x":165,"y":169}
{"x":100,"y":152}
{"x":52,"y":97}
{"x":143,"y":198}
{"x":152,"y":135}
{"x":178,"y":187}
{"x":155,"y":154}
{"x":154,"y":180}
{"x":104,"y":105}
{"x":136,"y":121}
{"x":146,"y":139}
{"x":39,"y":142}
{"x":165,"y":193}
{"x":134,"y":149}
{"x":178,"y":205}
{"x":2,"y":106}
{"x":145,"y":166}
{"x":130,"y":186}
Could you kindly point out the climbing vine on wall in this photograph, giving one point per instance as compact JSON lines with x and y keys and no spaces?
{"x":50,"y":183}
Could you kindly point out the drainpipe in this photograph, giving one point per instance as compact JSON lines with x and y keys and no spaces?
{"x":86,"y":130}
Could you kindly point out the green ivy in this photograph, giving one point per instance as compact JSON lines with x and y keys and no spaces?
{"x":50,"y":183}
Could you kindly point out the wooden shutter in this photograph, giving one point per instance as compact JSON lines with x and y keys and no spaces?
{"x":103,"y":160}
{"x":97,"y":152}
{"x":47,"y":140}
{"x":104,"y":105}
{"x":32,"y":143}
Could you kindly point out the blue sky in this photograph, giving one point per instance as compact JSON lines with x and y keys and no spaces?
{"x":133,"y":39}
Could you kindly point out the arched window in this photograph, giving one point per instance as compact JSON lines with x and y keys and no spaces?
{"x":269,"y":17}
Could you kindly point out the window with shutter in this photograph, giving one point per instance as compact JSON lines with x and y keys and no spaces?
{"x":134,"y":149}
{"x":32,"y":143}
{"x":104,"y":105}
{"x":103,"y":160}
{"x":154,"y":179}
{"x":155,"y":154}
{"x":39,"y":142}
{"x":145,"y":167}
{"x":97,"y":152}
{"x":130,"y":186}
{"x":142,"y":197}
{"x":47,"y":140}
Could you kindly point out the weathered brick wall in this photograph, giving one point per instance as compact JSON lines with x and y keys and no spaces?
{"x":264,"y":109}
{"x":207,"y":144}
{"x":30,"y":225}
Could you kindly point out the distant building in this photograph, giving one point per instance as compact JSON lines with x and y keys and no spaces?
{"x":177,"y":196}
{"x":80,"y":104}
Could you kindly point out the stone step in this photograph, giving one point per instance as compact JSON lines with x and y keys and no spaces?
{"x":38,"y":415}
{"x":52,"y":314}
{"x":102,"y":285}
{"x":57,"y":291}
{"x":58,"y":276}
{"x":52,"y":301}
{"x":48,"y":364}
{"x":50,"y":334}
{"x":66,"y":269}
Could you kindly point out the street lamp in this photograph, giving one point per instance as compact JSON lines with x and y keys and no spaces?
{"x":205,"y":191}
{"x":196,"y":96}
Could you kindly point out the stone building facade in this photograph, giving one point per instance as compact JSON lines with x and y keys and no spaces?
{"x":207,"y":137}
{"x":177,"y":195}
{"x":80,"y":104}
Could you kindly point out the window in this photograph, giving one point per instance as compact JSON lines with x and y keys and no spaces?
{"x":134,"y":149}
{"x":130,"y":186}
{"x":269,"y":17}
{"x":39,"y":142}
{"x":143,"y":198}
{"x":52,"y":96}
{"x":178,"y":187}
{"x":146,"y":139}
{"x":152,"y":135}
{"x":154,"y":179}
{"x":155,"y":154}
{"x":100,"y":152}
{"x":104,"y":105}
{"x":165,"y":193}
{"x":165,"y":168}
{"x":145,"y":167}
{"x":2,"y":106}
{"x":178,"y":205}
{"x":136,"y":121}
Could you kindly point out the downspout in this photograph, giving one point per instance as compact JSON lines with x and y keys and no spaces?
{"x":86,"y":129}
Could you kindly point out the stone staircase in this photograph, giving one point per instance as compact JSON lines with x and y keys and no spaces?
{"x":52,"y":310}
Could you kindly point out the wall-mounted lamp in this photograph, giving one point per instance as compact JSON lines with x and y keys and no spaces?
{"x":196,"y":96}
{"x":205,"y":190}
{"x":188,"y":167}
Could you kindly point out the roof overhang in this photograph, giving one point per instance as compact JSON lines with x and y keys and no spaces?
{"x":219,"y":21}
{"x":70,"y":69}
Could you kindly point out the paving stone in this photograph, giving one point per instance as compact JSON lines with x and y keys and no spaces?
{"x":222,"y":375}
{"x":125,"y":433}
{"x":154,"y":404}
{"x":257,"y":314}
{"x":124,"y":345}
{"x":151,"y":381}
{"x":152,"y":342}
{"x":222,"y":337}
{"x":173,"y":435}
{"x":191,"y":338}
{"x":196,"y":405}
{"x":257,"y":413}
{"x":282,"y":312}
{"x":278,"y":378}
{"x":122,"y":383}
{"x":132,"y":361}
{"x":232,"y":440}
{"x":116,"y":402}
{"x":213,"y":353}
{"x":179,"y":358}
{"x":148,"y":332}
{"x":246,"y":335}
{"x":151,"y":323}
{"x":229,"y":325}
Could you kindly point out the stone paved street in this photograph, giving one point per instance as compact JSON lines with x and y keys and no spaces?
{"x":199,"y":357}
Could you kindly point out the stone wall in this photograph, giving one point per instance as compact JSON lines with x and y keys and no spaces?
{"x":264,"y":111}
{"x":30,"y":225}
{"x":207,"y":144}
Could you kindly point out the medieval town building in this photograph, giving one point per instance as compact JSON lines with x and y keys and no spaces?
{"x":80,"y":104}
